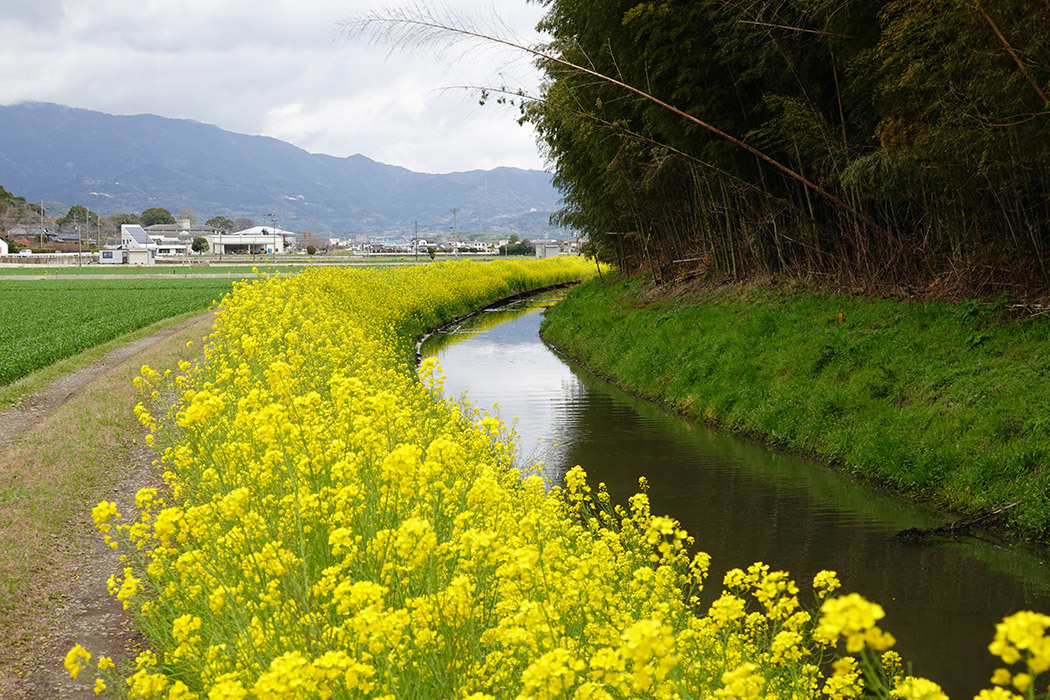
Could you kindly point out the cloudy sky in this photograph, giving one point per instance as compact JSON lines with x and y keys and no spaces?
{"x":281,"y":68}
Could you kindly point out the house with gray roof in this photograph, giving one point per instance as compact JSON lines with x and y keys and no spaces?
{"x":138,"y":246}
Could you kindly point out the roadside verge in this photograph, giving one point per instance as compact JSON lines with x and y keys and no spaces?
{"x":65,"y":446}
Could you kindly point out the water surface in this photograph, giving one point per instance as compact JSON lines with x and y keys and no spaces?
{"x":744,"y":502}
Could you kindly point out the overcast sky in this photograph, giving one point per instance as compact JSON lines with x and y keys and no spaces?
{"x":281,"y":68}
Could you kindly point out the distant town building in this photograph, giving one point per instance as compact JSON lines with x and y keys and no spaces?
{"x":264,"y":240}
{"x":30,"y":232}
{"x":548,"y":249}
{"x":112,"y":255}
{"x":138,"y":247}
{"x":3,"y":247}
{"x":183,"y":231}
{"x":170,"y":245}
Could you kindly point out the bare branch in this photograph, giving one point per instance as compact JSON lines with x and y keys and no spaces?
{"x":1010,"y":50}
{"x":641,"y":138}
{"x":795,"y":29}
{"x":420,"y":25}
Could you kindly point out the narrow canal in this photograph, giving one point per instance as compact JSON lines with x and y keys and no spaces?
{"x":744,"y":503}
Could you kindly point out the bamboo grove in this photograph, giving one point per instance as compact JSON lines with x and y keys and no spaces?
{"x":901,"y":142}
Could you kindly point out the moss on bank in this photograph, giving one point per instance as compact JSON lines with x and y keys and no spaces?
{"x":947,"y":403}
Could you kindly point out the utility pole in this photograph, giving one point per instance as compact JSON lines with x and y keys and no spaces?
{"x":415,"y":241}
{"x":80,"y":251}
{"x":455,"y":229}
{"x":273,"y":220}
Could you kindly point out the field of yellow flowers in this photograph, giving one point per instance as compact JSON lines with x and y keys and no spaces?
{"x":333,"y":527}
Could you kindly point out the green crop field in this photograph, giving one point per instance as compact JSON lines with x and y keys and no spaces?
{"x":242,"y":270}
{"x":42,"y":322}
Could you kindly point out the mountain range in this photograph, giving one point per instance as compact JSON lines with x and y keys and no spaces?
{"x":63,"y":156}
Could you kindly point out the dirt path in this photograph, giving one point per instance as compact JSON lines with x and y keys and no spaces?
{"x":67,"y":602}
{"x":16,"y":420}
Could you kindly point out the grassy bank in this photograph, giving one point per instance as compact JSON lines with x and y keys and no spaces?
{"x":947,"y":403}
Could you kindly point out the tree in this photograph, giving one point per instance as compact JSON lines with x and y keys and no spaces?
{"x":309,"y":238}
{"x":220,"y":223}
{"x":240,"y":224}
{"x":121,"y":219}
{"x":12,"y":207}
{"x":516,"y":247}
{"x":311,"y":250}
{"x":156,"y":215}
{"x":199,"y":245}
{"x":186,"y":214}
{"x":79,"y":214}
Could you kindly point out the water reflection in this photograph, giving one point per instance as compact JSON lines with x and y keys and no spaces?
{"x":745,"y":503}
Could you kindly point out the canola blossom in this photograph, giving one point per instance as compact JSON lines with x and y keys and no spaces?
{"x":332,"y":526}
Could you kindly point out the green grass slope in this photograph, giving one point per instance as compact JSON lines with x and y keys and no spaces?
{"x":948,"y":403}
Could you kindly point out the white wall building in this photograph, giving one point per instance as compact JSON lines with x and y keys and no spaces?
{"x":177,"y":239}
{"x":138,"y":247}
{"x":3,"y":247}
{"x":167,"y":245}
{"x":112,"y":255}
{"x":548,"y":249}
{"x":258,"y":240}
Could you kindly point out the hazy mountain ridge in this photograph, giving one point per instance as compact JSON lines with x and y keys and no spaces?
{"x":61,"y":155}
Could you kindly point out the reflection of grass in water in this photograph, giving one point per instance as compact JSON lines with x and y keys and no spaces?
{"x":942,"y":402}
{"x":487,"y":319}
{"x":469,"y":327}
{"x":876,"y":508}
{"x":1018,"y":561}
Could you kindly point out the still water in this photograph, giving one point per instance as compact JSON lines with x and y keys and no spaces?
{"x":743,"y":502}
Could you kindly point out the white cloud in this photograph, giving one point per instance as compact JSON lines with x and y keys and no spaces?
{"x":281,"y":68}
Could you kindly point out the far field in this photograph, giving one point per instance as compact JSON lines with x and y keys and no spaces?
{"x":238,"y":268}
{"x":42,"y":322}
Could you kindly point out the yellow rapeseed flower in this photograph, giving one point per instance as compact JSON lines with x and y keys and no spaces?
{"x":912,"y":688}
{"x":1023,"y":635}
{"x":331,"y":525}
{"x":75,"y":660}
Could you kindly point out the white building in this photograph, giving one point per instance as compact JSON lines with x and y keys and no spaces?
{"x":177,"y":239}
{"x":136,"y":245}
{"x":548,"y":249}
{"x":258,"y":240}
{"x":167,"y":245}
{"x":112,"y":255}
{"x":4,"y":250}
